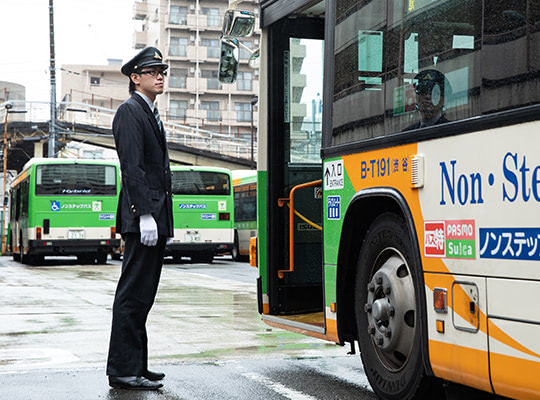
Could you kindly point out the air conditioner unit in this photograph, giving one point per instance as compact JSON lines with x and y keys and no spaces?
{"x":192,"y":38}
{"x":191,"y":70}
{"x":191,"y":101}
{"x":192,"y":6}
{"x":256,"y":41}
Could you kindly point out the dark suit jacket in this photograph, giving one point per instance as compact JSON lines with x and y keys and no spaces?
{"x":144,"y":162}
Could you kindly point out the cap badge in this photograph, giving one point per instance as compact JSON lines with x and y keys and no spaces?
{"x":156,"y":55}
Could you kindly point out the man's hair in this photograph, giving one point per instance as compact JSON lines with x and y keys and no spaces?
{"x":131,"y":86}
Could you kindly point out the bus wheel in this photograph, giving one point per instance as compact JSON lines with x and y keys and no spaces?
{"x":101,"y":258}
{"x":202,"y":258}
{"x":85,"y":259}
{"x":235,"y":250}
{"x":387,"y":311}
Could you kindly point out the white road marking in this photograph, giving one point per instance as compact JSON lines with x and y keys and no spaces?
{"x":278,"y":387}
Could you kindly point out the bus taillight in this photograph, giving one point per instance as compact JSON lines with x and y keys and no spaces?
{"x":253,"y":251}
{"x":38,"y":232}
{"x":224,"y":216}
{"x":113,"y":232}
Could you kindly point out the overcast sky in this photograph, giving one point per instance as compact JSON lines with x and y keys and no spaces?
{"x":86,"y":32}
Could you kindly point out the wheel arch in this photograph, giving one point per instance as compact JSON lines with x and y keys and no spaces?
{"x":365,"y":206}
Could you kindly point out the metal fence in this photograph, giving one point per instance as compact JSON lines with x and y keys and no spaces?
{"x":75,"y":113}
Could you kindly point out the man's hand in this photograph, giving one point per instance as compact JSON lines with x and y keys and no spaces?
{"x":148,"y":228}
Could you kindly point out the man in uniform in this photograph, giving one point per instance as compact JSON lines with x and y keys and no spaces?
{"x":431,"y":88}
{"x":144,"y":218}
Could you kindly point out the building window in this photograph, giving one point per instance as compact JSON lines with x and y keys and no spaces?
{"x":243,"y":112}
{"x":178,"y":15}
{"x":95,"y":80}
{"x":244,"y":54}
{"x":177,"y":109}
{"x":178,"y":78}
{"x":213,"y":47}
{"x":178,"y":47}
{"x":212,"y":15}
{"x":244,"y":79}
{"x":212,"y":108}
{"x":212,"y":78}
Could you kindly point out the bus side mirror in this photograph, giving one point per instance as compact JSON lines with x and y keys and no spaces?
{"x":253,"y":61}
{"x":228,"y":60}
{"x":238,"y":23}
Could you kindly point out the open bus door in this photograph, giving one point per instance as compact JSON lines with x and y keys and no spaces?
{"x":294,"y":274}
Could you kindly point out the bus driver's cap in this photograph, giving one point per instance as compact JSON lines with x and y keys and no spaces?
{"x":148,"y":57}
{"x":427,"y":79}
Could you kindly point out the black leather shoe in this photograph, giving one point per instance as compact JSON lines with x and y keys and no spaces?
{"x":133,"y":383}
{"x":154,"y":376}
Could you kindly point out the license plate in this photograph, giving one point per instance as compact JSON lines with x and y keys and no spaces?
{"x":192,"y":237}
{"x":79,"y":234}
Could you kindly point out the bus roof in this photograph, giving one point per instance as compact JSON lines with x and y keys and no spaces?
{"x":243,"y":176}
{"x":199,"y":168}
{"x":43,"y":160}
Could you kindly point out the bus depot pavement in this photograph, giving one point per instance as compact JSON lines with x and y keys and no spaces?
{"x":204,"y":333}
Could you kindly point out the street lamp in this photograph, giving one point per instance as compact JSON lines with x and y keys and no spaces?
{"x":253,"y":102}
{"x":8,"y":106}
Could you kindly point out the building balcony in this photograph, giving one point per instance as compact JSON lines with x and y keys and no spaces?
{"x":140,"y":10}
{"x":140,"y":40}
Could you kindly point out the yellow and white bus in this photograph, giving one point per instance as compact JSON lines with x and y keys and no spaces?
{"x":423,"y":175}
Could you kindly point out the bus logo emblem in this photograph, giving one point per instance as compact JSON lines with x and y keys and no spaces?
{"x":96,"y":206}
{"x":334,"y":207}
{"x":55,"y":206}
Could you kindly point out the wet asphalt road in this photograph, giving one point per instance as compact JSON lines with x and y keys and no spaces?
{"x":204,"y":333}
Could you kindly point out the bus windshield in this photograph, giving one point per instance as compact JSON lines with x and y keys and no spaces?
{"x":75,"y":179}
{"x":200,"y":182}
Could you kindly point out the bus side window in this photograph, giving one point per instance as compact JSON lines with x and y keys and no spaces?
{"x":24,"y":196}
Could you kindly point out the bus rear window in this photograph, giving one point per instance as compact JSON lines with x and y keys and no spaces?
{"x":75,"y":179}
{"x":200,"y":182}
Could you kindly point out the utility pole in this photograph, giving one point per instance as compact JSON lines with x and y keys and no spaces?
{"x":52,"y":123}
{"x":7,"y":108}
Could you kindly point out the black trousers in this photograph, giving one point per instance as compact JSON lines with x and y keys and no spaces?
{"x":135,"y":293}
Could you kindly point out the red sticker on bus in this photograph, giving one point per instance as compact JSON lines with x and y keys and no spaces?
{"x":434,"y":239}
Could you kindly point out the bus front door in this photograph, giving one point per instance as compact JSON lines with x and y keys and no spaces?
{"x":294,"y":237}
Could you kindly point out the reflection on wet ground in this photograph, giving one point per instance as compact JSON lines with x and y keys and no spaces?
{"x":59,"y":314}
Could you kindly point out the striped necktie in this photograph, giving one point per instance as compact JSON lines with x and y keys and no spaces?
{"x":158,"y":120}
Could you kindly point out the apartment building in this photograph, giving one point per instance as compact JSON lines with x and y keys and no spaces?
{"x":97,"y":85}
{"x":188,"y":32}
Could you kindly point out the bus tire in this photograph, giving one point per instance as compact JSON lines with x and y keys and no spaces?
{"x":101,"y":258}
{"x":386,"y":308}
{"x":236,"y":248}
{"x":202,"y":258}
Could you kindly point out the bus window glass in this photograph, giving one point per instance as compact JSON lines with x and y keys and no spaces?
{"x":75,"y":179}
{"x":403,"y":65}
{"x":303,"y":99}
{"x":510,"y":55}
{"x":245,"y":203}
{"x":200,"y":183}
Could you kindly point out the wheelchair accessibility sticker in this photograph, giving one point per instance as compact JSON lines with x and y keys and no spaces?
{"x":55,"y":206}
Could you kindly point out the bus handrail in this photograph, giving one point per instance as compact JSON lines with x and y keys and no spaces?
{"x":290,"y":200}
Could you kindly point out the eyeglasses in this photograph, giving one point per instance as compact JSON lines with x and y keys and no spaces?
{"x":154,"y":73}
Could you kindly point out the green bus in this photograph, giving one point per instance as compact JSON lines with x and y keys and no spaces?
{"x":245,"y":212}
{"x":64,"y":207}
{"x":202,"y":212}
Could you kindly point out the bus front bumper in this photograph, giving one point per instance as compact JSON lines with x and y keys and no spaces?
{"x":71,"y":247}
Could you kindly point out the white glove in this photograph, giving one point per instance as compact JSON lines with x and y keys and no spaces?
{"x":148,"y":228}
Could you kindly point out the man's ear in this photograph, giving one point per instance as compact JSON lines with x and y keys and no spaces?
{"x":135,"y":78}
